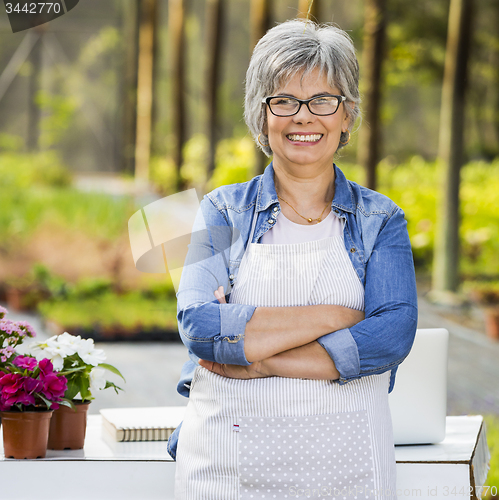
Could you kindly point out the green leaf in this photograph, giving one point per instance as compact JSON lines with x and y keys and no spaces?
{"x":73,"y":388}
{"x":67,"y":402}
{"x":114,"y":386}
{"x":72,"y":370}
{"x":112,"y":369}
{"x":85,"y":388}
{"x":45,"y":400}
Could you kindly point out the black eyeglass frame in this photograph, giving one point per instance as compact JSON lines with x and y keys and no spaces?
{"x":341,"y":98}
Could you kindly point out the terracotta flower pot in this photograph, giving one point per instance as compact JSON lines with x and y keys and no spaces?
{"x":492,"y":323}
{"x":25,"y":433}
{"x":68,"y":427}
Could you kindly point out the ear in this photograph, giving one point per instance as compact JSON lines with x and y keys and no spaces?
{"x":265,"y":128}
{"x":346,"y":117}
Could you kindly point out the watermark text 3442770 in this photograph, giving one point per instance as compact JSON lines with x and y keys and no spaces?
{"x":25,"y":14}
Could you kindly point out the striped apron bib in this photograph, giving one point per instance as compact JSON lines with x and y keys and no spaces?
{"x":279,"y":438}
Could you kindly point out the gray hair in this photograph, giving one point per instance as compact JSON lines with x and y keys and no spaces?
{"x":292,"y":47}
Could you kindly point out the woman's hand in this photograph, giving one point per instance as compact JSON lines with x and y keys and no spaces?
{"x":220,"y":295}
{"x":255,"y":370}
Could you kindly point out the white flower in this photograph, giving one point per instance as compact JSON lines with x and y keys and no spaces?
{"x":32,"y":348}
{"x":57,"y":348}
{"x":97,"y":379}
{"x":69,"y":341}
{"x":89,"y":354}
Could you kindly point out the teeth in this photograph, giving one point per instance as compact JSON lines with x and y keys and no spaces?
{"x":304,"y":138}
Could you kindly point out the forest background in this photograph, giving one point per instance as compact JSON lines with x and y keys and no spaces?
{"x":121,"y":102}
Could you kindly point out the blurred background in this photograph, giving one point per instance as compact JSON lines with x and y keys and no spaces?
{"x":119,"y":103}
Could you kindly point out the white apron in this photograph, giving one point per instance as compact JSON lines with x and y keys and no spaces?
{"x":278,"y":438}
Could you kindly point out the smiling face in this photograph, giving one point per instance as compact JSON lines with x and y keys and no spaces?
{"x":306,"y":141}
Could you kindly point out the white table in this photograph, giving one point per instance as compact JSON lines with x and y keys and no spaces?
{"x":454,"y":469}
{"x":108,"y":470}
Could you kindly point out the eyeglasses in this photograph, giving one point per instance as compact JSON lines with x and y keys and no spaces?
{"x":322,"y":105}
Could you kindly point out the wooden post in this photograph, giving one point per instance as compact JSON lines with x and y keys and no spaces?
{"x":373,"y":56}
{"x":259,"y":24}
{"x":176,"y":28}
{"x":34,"y":112}
{"x":128,"y":86}
{"x":451,"y":149}
{"x":309,"y":9}
{"x":214,"y":27}
{"x":148,"y":16}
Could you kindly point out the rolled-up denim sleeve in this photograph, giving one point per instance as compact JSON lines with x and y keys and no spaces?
{"x":384,"y":338}
{"x":211,"y":330}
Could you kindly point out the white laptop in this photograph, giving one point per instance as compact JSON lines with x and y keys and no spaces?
{"x":418,"y":402}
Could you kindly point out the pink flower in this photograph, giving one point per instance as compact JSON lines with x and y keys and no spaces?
{"x":3,"y":312}
{"x":54,"y":386}
{"x":20,"y":397}
{"x":10,"y":383}
{"x":12,"y":390}
{"x":25,"y":362}
{"x":32,"y":385}
{"x":26,"y":329}
{"x":46,"y":366}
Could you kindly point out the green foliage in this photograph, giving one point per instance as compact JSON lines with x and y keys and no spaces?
{"x":480,"y":218}
{"x":235,"y":161}
{"x":195,"y":160}
{"x":19,"y":171}
{"x":90,"y":287}
{"x":415,"y":187}
{"x":130,"y":310}
{"x":159,"y":290}
{"x":163,"y":174}
{"x":9,"y":142}
{"x":58,"y":113}
{"x":193,"y":172}
{"x":492,"y":431}
{"x":31,"y":194}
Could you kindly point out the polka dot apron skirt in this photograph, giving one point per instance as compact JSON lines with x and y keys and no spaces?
{"x":279,"y":438}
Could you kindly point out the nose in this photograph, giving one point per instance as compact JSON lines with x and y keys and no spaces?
{"x":304,"y":115}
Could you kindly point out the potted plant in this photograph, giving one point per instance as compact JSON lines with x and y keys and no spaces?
{"x":29,"y":391}
{"x":84,"y":368}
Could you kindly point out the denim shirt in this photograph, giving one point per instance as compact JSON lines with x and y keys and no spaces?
{"x":377,"y":242}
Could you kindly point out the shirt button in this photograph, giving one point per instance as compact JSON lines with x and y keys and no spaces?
{"x":231,"y":277}
{"x":336,"y":212}
{"x":275,"y":209}
{"x":271,"y":221}
{"x":352,"y":250}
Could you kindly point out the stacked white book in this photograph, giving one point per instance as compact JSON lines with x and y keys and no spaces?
{"x":142,"y":424}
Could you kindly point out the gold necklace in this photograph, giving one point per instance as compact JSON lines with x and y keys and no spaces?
{"x":306,"y":218}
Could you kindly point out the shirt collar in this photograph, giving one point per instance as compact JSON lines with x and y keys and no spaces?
{"x":343,"y":195}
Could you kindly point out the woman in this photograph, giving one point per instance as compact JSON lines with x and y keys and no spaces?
{"x":298,"y":298}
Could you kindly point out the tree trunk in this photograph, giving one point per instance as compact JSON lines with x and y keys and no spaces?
{"x":176,"y":27}
{"x":147,"y":34}
{"x":372,"y":58}
{"x":214,"y":26}
{"x":259,"y":24}
{"x":451,"y":148}
{"x":309,"y":9}
{"x":259,"y":20}
{"x":35,"y":59}
{"x":129,"y":85}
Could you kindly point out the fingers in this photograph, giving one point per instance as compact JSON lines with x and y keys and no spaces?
{"x":220,"y":295}
{"x":206,"y":364}
{"x":213,"y":367}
